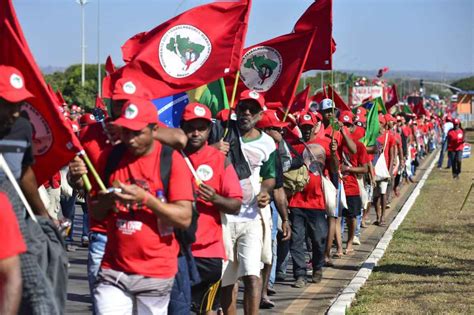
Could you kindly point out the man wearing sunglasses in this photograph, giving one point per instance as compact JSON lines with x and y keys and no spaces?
{"x":252,"y":152}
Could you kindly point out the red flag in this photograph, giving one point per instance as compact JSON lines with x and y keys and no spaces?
{"x":109,"y":65}
{"x":60,"y":97}
{"x":301,"y":102}
{"x":99,"y":103}
{"x":188,"y":50}
{"x":315,"y":100}
{"x":318,"y":16}
{"x":392,"y":97}
{"x":338,"y":101}
{"x":274,"y":67}
{"x":54,"y":143}
{"x":419,"y":109}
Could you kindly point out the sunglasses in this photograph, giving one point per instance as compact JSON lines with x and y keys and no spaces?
{"x":252,"y":108}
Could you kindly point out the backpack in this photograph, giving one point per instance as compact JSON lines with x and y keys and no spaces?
{"x":297,"y":177}
{"x":184,"y":237}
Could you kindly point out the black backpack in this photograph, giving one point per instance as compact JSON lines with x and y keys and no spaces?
{"x":184,"y":237}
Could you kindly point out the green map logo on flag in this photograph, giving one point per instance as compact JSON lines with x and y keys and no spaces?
{"x":183,"y":49}
{"x":261,"y":67}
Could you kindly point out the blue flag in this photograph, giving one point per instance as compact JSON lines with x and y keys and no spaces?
{"x":170,"y":108}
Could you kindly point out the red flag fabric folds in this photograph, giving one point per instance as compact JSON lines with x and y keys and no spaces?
{"x":198,"y":46}
{"x":338,"y":101}
{"x":392,"y":97}
{"x":273,"y":68}
{"x":54,"y":143}
{"x":301,"y":102}
{"x":318,"y":16}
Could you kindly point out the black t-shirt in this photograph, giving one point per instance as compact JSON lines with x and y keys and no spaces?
{"x":16,"y":146}
{"x":278,"y":172}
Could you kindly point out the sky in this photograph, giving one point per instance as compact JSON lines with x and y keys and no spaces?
{"x":414,"y":35}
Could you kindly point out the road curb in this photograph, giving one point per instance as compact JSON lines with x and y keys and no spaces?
{"x":344,"y":299}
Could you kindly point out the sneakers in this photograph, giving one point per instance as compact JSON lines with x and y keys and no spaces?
{"x":356,"y":240}
{"x":317,"y":276}
{"x":299,"y":283}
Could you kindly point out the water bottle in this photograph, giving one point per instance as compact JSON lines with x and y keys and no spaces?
{"x":163,"y":228}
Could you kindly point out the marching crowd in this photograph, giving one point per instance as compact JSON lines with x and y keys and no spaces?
{"x":188,"y":213}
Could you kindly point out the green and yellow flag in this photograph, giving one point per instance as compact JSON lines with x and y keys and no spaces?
{"x":213,"y":95}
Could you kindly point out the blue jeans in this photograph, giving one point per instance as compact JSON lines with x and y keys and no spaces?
{"x":97,"y":242}
{"x":68,"y":208}
{"x":271,"y":280}
{"x":444,"y":147}
{"x":313,"y":222}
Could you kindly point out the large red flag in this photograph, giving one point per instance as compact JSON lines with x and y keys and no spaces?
{"x":198,"y":46}
{"x":338,"y":101}
{"x":315,"y":100}
{"x":301,"y":101}
{"x":318,"y":16}
{"x":419,"y":109}
{"x":54,"y":143}
{"x":274,"y":67}
{"x":392,"y":97}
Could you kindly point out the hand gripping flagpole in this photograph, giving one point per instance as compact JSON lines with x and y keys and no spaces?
{"x":234,"y":91}
{"x":4,"y":166}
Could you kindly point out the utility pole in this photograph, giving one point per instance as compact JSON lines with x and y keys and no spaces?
{"x":99,"y":77}
{"x":82,"y":3}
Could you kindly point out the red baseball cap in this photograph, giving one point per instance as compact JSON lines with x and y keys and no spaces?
{"x":137,"y":114}
{"x":456,"y":121}
{"x":382,"y":119}
{"x":270,"y":119}
{"x":12,"y":85}
{"x":346,"y":117}
{"x":307,"y":118}
{"x":197,"y":111}
{"x":360,"y":118}
{"x":127,"y":88}
{"x":361,"y":111}
{"x":253,"y":95}
{"x":389,"y":117}
{"x":87,"y":119}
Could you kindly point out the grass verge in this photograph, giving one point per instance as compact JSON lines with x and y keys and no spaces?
{"x":429,"y":264}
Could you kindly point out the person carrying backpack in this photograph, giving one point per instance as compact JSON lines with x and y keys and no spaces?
{"x":140,"y":260}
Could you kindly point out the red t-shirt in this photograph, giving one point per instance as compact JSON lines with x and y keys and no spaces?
{"x":96,"y":144}
{"x":13,"y":244}
{"x":406,"y":131}
{"x":210,"y":165}
{"x":455,"y":140}
{"x":312,"y":197}
{"x":134,"y":244}
{"x":390,"y":144}
{"x":351,"y":187}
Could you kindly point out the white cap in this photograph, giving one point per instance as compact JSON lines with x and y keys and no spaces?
{"x":326,"y":104}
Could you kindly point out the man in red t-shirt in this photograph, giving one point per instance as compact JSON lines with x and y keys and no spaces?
{"x":140,"y":259}
{"x":455,"y":147}
{"x":218,"y":189}
{"x":308,"y":208}
{"x":354,"y":164}
{"x":12,"y":247}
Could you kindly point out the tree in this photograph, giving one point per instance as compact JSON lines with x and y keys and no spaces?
{"x":69,"y":83}
{"x":465,"y":84}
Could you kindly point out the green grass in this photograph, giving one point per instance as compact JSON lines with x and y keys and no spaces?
{"x":429,"y":265}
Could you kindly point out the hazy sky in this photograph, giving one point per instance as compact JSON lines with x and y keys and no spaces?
{"x":432,"y":35}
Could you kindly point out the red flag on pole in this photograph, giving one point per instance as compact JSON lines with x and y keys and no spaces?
{"x":109,"y":65}
{"x":419,"y":109}
{"x":188,"y":50}
{"x":301,"y":101}
{"x":338,"y":101}
{"x":392,"y":97}
{"x":99,"y":103}
{"x":318,"y":17}
{"x":273,"y":68}
{"x":54,"y":143}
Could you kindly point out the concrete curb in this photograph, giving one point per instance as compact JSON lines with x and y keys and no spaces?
{"x":344,"y":299}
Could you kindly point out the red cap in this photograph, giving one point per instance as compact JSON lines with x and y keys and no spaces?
{"x":137,"y":114}
{"x":253,"y":95}
{"x":456,"y":121}
{"x":87,"y":119}
{"x":128,"y":88}
{"x":307,"y":118}
{"x":382,"y":119}
{"x":360,"y":118}
{"x":346,"y":117}
{"x":361,"y":111}
{"x":196,"y":111}
{"x":389,"y":117}
{"x":270,"y":119}
{"x":12,"y":85}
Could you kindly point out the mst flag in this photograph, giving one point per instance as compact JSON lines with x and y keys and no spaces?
{"x":318,"y":17}
{"x":54,"y":143}
{"x":273,"y":68}
{"x":198,"y":46}
{"x":392,"y":97}
{"x":338,"y":101}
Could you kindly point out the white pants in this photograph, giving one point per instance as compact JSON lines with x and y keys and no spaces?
{"x":114,"y":301}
